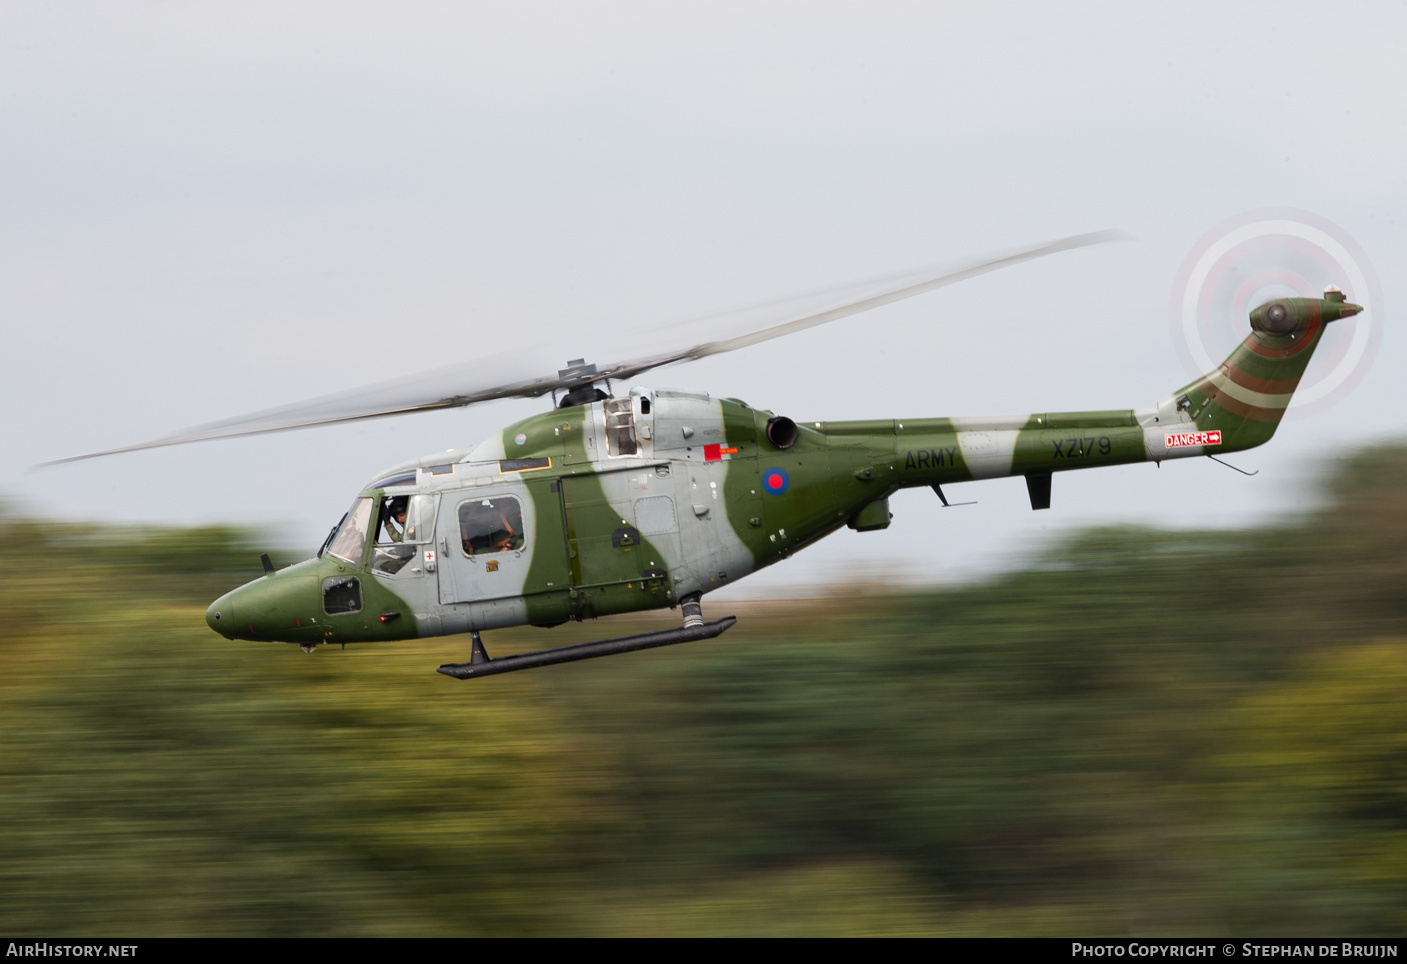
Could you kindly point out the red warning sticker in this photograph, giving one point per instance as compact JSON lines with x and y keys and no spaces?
{"x":712,"y":453}
{"x":1177,"y":440}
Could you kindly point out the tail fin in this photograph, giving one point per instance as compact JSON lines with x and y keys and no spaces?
{"x":1239,"y":405}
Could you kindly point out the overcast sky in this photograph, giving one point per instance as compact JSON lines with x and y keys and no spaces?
{"x":210,"y":209}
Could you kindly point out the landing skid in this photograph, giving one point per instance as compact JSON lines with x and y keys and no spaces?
{"x":483,"y":666}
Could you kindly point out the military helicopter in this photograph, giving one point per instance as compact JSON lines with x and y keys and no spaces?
{"x":610,"y":504}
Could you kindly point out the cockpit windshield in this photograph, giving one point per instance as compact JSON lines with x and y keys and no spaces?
{"x":350,"y":541}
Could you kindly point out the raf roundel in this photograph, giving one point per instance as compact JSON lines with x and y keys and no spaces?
{"x":775,"y":481}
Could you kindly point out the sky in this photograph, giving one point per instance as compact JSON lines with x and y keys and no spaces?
{"x":207,"y":210}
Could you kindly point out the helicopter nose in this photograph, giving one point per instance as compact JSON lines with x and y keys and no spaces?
{"x":220,"y":616}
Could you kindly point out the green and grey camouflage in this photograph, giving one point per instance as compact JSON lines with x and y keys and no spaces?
{"x":659,"y":497}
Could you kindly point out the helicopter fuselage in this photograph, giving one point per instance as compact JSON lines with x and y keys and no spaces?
{"x":660,"y":496}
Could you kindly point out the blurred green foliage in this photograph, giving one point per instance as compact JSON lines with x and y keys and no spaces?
{"x":1145,"y":733}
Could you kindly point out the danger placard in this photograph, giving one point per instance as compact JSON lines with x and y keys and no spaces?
{"x":1177,"y":440}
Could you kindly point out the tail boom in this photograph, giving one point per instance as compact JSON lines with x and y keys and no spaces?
{"x":1235,"y":407}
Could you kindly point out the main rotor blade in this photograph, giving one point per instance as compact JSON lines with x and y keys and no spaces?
{"x":500,"y":376}
{"x":487,"y":379}
{"x":914,"y":283}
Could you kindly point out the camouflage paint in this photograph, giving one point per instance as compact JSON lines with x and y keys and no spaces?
{"x":287,"y":606}
{"x":709,"y":461}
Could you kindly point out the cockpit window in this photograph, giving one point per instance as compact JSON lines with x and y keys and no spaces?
{"x":350,"y":541}
{"x":393,"y":519}
{"x":404,"y":521}
{"x":420,"y":524}
{"x":491,"y":525}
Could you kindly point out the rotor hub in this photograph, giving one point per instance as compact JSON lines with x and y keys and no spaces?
{"x":581,"y":379}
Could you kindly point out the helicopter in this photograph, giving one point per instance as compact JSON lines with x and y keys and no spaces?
{"x":607,"y":504}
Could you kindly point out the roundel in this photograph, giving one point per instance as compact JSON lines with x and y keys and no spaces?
{"x":775,"y":481}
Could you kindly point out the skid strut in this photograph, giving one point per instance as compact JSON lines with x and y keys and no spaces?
{"x":483,"y":666}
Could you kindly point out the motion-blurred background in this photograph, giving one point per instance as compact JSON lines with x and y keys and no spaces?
{"x":1171,"y":704}
{"x":1144,"y":733}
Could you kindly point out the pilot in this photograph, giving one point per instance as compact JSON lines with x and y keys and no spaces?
{"x":393,"y":516}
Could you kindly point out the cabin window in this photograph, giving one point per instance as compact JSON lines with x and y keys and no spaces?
{"x":620,"y":427}
{"x":491,"y":525}
{"x":350,"y":541}
{"x":341,"y":594}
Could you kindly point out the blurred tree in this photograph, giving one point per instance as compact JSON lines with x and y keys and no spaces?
{"x":1143,"y":732}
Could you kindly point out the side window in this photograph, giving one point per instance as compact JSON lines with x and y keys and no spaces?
{"x":420,"y":522}
{"x":392,"y":528}
{"x":620,"y":427}
{"x":341,"y":594}
{"x":490,"y":525}
{"x":405,"y":522}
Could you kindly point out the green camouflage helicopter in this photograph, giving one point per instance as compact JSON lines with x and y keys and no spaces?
{"x":612,"y":504}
